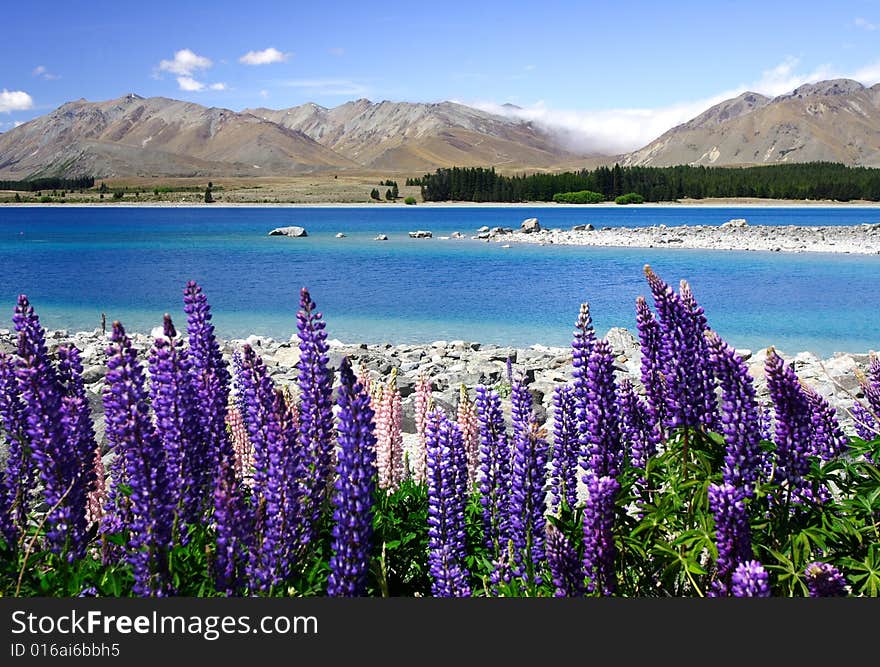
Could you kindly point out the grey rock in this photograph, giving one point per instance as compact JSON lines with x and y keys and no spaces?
{"x":421,"y":234}
{"x":530,"y":225}
{"x":381,"y":237}
{"x":292,"y":231}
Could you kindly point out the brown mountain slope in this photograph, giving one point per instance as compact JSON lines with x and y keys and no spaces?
{"x":835,"y":121}
{"x":404,"y":135}
{"x":132,"y":136}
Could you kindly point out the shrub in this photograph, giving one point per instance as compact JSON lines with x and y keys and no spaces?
{"x":45,"y":199}
{"x":119,"y":194}
{"x":410,"y":201}
{"x":630,"y":198}
{"x":579,"y":197}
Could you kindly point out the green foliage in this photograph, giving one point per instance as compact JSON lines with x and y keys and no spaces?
{"x":118,"y":194}
{"x":51,"y":183}
{"x":400,"y":531}
{"x":579,"y":197}
{"x":629,"y":198}
{"x":374,"y":194}
{"x":410,"y":201}
{"x":388,"y":195}
{"x":814,"y":180}
{"x":45,"y":199}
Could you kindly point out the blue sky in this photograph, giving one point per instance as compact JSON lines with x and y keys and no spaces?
{"x":616,"y":74}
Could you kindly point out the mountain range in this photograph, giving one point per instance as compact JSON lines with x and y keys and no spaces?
{"x":836,"y":120}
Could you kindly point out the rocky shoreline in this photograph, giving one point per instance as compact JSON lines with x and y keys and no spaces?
{"x":735,"y":234}
{"x":449,"y":364}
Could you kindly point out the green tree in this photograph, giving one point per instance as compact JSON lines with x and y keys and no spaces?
{"x":388,"y":195}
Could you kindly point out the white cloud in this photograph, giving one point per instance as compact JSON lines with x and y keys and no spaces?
{"x":328,"y":86}
{"x":17,"y":123}
{"x":217,"y":86}
{"x":864,"y":24}
{"x":264,"y":94}
{"x":613,"y":131}
{"x":185,"y":62}
{"x":264,"y":57}
{"x":189,"y":84}
{"x":15,"y":100}
{"x":43,"y":73}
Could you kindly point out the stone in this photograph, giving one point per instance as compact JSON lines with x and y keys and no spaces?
{"x":421,"y":234}
{"x":530,"y":225}
{"x":457,"y":235}
{"x":381,"y":237}
{"x":483,"y":229}
{"x":622,"y":341}
{"x":583,"y":228}
{"x":293,"y":231}
{"x":735,"y":223}
{"x":340,"y":235}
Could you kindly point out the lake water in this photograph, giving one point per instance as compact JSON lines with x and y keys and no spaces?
{"x":132,"y":264}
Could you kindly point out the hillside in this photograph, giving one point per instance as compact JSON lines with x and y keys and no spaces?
{"x":832,"y":121}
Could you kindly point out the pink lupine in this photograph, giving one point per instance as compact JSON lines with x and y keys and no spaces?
{"x":470,"y":432}
{"x":241,"y":445}
{"x":424,"y":403}
{"x":389,"y":437}
{"x":97,"y":497}
{"x":365,"y":380}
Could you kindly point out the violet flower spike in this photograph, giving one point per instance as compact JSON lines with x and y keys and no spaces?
{"x":316,"y":427}
{"x":354,"y":488}
{"x":211,"y":380}
{"x":600,"y":550}
{"x":563,"y":484}
{"x":733,"y":536}
{"x":828,"y":440}
{"x":53,"y":449}
{"x":447,"y":500}
{"x":750,"y":580}
{"x":139,"y":498}
{"x":527,"y":504}
{"x":793,"y":423}
{"x":825,"y":581}
{"x":19,"y":479}
{"x":740,"y":416}
{"x":494,"y":475}
{"x":173,"y":398}
{"x":565,"y":566}
{"x":601,"y":449}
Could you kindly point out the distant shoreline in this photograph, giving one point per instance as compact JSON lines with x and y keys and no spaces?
{"x":689,"y":203}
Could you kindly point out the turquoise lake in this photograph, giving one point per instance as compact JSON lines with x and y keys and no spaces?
{"x":132,"y":264}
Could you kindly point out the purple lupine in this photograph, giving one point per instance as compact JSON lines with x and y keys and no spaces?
{"x":276,"y":479}
{"x":864,"y":422}
{"x":582,"y":345}
{"x":600,"y":550}
{"x":53,"y":450}
{"x":793,"y":425}
{"x":827,"y":440}
{"x":750,"y":580}
{"x":139,"y":500}
{"x":740,"y":416}
{"x":600,"y":443}
{"x":447,"y":500}
{"x":651,"y":344}
{"x":233,"y":526}
{"x":528,"y":488}
{"x":76,"y":418}
{"x":18,"y":479}
{"x":316,"y":427}
{"x":688,"y":387}
{"x":637,"y":428}
{"x":733,"y":535}
{"x":765,"y":415}
{"x":563,"y":483}
{"x":871,"y":384}
{"x":565,"y":566}
{"x":701,"y":328}
{"x":824,"y":580}
{"x":494,"y":470}
{"x":177,"y":423}
{"x":211,"y":381}
{"x":355,"y":484}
